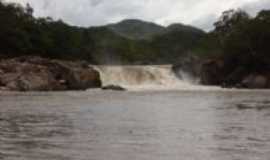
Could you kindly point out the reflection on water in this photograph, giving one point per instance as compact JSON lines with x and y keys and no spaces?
{"x":97,"y":125}
{"x":254,"y":105}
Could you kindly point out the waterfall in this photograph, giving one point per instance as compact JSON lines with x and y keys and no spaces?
{"x":150,"y":77}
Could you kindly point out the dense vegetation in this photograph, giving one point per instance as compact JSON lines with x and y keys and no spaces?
{"x":244,"y":40}
{"x":136,"y":29}
{"x":130,"y":41}
{"x":238,"y":38}
{"x":237,"y":51}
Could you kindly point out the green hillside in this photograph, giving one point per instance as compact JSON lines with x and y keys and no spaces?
{"x":136,"y":29}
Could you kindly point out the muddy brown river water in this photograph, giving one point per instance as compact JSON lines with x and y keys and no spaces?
{"x":144,"y":125}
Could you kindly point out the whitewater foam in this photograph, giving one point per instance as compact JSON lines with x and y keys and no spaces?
{"x":150,"y":77}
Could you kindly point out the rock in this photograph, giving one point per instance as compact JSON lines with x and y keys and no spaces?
{"x":4,"y":89}
{"x":84,"y":79}
{"x":255,"y":81}
{"x":212,"y":72}
{"x":114,"y":87}
{"x":40,"y":74}
{"x":190,"y":65}
{"x":233,"y":79}
{"x":77,"y":75}
{"x":42,"y":81}
{"x":30,"y":80}
{"x":230,"y":73}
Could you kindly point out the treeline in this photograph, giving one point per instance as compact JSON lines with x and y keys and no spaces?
{"x":241,"y":41}
{"x":23,"y":34}
{"x":238,"y":38}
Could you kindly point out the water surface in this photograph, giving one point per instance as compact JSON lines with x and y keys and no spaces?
{"x":160,"y":125}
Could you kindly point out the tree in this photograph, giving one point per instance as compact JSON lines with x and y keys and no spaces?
{"x":228,"y":22}
{"x":29,"y":10}
{"x":244,"y":40}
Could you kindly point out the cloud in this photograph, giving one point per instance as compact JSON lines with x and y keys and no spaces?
{"x":99,"y":12}
{"x":253,"y":8}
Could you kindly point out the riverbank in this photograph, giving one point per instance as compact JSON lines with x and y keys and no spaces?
{"x":229,"y":74}
{"x":30,"y":73}
{"x":223,"y":72}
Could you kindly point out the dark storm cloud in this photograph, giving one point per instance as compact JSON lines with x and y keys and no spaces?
{"x":99,"y":12}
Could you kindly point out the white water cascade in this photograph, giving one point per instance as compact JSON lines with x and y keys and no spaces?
{"x":151,"y":77}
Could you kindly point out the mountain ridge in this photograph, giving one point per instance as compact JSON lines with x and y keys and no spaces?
{"x":144,"y":30}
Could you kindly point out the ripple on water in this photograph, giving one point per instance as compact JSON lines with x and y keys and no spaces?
{"x":135,"y":125}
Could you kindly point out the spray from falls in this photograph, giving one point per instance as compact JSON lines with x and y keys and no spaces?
{"x":151,"y":77}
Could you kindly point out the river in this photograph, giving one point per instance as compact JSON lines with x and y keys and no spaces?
{"x":135,"y":125}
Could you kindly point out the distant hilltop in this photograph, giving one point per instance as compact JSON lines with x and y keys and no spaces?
{"x":138,"y":29}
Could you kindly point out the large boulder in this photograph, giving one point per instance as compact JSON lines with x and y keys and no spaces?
{"x":77,"y":75}
{"x":40,"y":74}
{"x":84,"y":78}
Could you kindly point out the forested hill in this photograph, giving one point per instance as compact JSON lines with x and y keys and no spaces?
{"x":127,"y":42}
{"x":138,"y":29}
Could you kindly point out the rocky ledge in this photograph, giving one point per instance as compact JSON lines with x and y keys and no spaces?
{"x":41,"y":74}
{"x":215,"y":72}
{"x":218,"y":72}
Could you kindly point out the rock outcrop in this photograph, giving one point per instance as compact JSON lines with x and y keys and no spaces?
{"x":40,"y":74}
{"x":211,"y":72}
{"x":256,"y":81}
{"x":215,"y":72}
{"x":113,"y":87}
{"x":188,"y":66}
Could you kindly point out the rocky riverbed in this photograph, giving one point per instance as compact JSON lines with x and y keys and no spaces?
{"x":41,"y":74}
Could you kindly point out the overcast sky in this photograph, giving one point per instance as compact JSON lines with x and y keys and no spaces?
{"x":200,"y":13}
